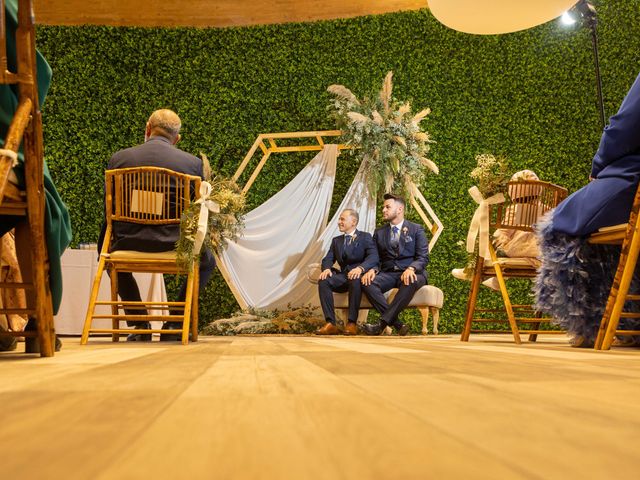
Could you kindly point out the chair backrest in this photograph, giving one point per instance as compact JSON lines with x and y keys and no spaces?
{"x":148,"y":195}
{"x":27,"y":110}
{"x":525,"y":202}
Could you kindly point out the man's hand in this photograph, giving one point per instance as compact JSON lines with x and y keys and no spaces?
{"x":325,"y":274}
{"x":355,"y":273}
{"x":368,"y":277}
{"x":409,"y":276}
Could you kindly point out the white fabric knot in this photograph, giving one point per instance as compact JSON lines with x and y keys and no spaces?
{"x":206,"y":206}
{"x":11,"y":154}
{"x":480,"y":221}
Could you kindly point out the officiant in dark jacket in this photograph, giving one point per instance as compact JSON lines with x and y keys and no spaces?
{"x":404,"y":254}
{"x":162,"y":132}
{"x":355,"y":253}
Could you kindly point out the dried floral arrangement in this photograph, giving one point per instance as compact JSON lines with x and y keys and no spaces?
{"x":491,"y":177}
{"x":385,"y":136}
{"x":225,"y":222}
{"x":491,"y":174}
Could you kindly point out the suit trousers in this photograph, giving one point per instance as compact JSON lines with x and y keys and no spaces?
{"x":129,"y":292}
{"x":339,"y":283}
{"x":384,"y":282}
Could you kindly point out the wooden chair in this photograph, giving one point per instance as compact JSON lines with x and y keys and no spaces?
{"x":627,"y":235}
{"x":144,"y":196}
{"x":526,"y":202}
{"x":28,"y":203}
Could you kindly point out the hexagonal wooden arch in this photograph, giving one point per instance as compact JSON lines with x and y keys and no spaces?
{"x":267,"y":143}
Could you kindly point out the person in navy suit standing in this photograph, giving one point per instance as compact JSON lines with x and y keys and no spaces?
{"x":355,"y":253}
{"x":404,"y":254}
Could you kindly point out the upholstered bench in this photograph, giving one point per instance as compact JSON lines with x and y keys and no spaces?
{"x":427,"y":299}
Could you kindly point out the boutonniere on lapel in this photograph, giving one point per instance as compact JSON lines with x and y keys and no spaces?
{"x":405,"y":234}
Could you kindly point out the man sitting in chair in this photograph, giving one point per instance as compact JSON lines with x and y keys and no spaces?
{"x":158,"y":150}
{"x":404,"y":253}
{"x":355,"y":253}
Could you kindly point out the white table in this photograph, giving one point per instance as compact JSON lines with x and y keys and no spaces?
{"x":78,"y":271}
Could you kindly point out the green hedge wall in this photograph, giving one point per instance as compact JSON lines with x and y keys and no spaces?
{"x":529,"y":96}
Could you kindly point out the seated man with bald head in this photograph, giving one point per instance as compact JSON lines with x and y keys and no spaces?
{"x":162,"y":132}
{"x":355,"y":253}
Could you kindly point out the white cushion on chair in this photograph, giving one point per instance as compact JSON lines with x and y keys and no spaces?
{"x":127,"y":254}
{"x":515,"y":262}
{"x":427,"y":295}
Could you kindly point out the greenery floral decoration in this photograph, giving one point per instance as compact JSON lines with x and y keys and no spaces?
{"x":223,"y":225}
{"x":385,"y":136}
{"x":491,"y":174}
{"x":491,"y":177}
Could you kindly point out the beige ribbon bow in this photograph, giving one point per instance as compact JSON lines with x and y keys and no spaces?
{"x":480,"y":221}
{"x":11,"y":154}
{"x":206,"y":206}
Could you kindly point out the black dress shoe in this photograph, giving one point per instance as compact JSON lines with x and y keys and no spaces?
{"x":171,"y":337}
{"x":370,"y":329}
{"x":140,"y":337}
{"x":403,"y":329}
{"x":32,"y":344}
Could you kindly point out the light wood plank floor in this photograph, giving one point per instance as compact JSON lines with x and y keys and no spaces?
{"x":295,"y":407}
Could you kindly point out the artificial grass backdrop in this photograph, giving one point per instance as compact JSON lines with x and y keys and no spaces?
{"x":529,"y":96}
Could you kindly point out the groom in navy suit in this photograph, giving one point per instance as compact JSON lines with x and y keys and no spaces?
{"x":355,"y":253}
{"x":404,"y":255}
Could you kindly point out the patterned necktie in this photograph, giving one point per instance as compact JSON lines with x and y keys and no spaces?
{"x":347,"y":240}
{"x":395,"y":239}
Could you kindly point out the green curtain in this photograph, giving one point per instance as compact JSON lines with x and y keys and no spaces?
{"x":58,"y":224}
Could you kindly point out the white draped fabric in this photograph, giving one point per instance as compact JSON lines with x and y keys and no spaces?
{"x":266,"y":267}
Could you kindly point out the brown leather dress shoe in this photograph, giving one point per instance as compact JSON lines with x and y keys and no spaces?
{"x":351,"y":329}
{"x":328,"y":329}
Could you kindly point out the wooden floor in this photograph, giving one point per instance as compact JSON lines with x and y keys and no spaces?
{"x":314,"y":408}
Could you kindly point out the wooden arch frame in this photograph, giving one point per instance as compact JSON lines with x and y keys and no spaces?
{"x":266,"y":142}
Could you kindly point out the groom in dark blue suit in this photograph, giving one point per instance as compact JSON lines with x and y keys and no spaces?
{"x":355,"y":253}
{"x":404,"y":255}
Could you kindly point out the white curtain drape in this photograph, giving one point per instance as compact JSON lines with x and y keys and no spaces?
{"x":266,"y":267}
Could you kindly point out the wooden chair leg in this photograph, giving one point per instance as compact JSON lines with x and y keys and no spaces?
{"x":92,"y":302}
{"x":33,"y":271}
{"x":472,"y":300}
{"x":363,"y":313}
{"x":536,"y":326}
{"x":435,"y":315}
{"x":629,"y":259}
{"x":194,"y":305}
{"x":424,"y":313}
{"x":619,"y":289}
{"x":115,"y":323}
{"x":505,"y":297}
{"x":188,"y":302}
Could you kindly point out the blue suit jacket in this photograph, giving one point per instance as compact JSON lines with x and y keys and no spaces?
{"x":413,"y":248}
{"x":360,"y":253}
{"x":616,"y":168}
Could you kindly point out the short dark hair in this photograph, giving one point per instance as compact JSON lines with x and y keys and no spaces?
{"x":397,"y":198}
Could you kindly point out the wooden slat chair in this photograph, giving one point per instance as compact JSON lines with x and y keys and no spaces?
{"x":28,"y":203}
{"x":627,"y":235}
{"x":526,"y":202}
{"x":144,"y":196}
